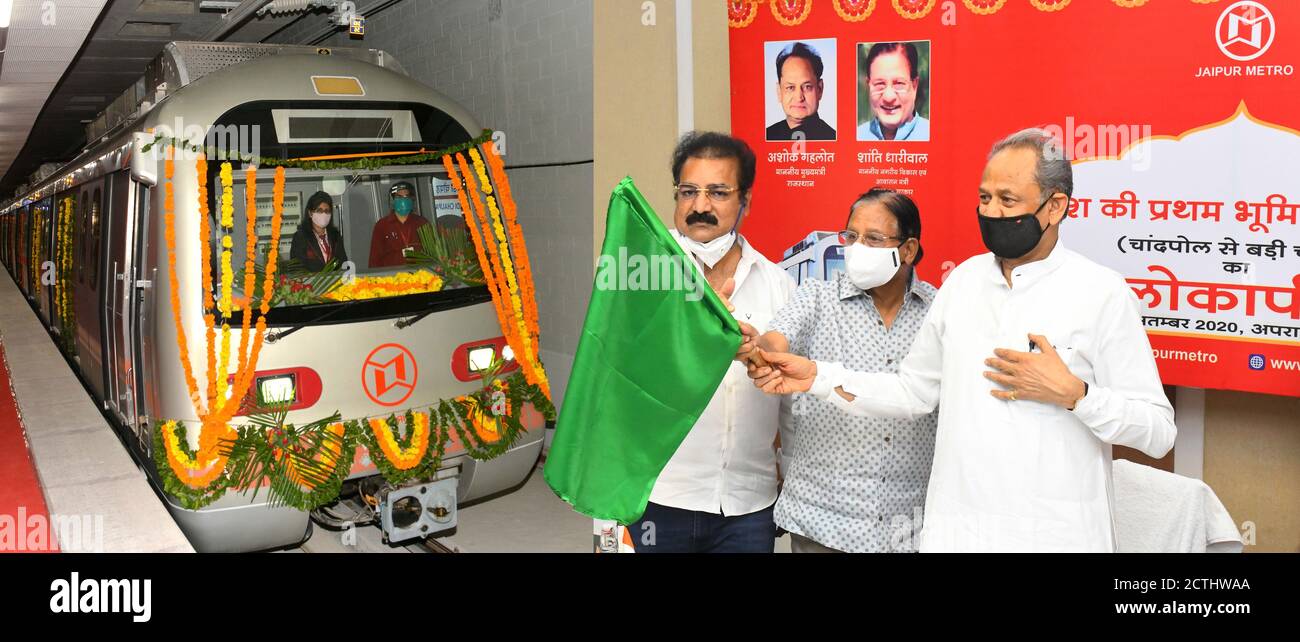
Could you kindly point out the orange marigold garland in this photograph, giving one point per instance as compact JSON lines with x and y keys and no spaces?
{"x":518,"y":275}
{"x":490,"y":276}
{"x":169,"y":236}
{"x":196,"y":477}
{"x":224,"y":302}
{"x":420,"y":456}
{"x":245,"y":379}
{"x":200,"y":470}
{"x":528,"y":285}
{"x":250,"y":274}
{"x":496,"y":270}
{"x":504,"y":251}
{"x":205,"y":253}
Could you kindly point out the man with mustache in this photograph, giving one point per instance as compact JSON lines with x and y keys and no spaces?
{"x":800,"y":87}
{"x":892,"y":79}
{"x":716,"y":494}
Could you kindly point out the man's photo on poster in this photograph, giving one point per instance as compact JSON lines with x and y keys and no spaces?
{"x":894,"y":90}
{"x":800,"y":96}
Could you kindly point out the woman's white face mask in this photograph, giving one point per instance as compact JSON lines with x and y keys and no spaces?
{"x":321,"y":220}
{"x":871,"y":267}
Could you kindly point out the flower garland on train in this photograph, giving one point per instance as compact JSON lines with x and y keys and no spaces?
{"x":63,"y":280}
{"x":304,"y":467}
{"x":37,"y":270}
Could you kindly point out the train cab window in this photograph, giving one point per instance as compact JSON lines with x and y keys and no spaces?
{"x":348,"y":236}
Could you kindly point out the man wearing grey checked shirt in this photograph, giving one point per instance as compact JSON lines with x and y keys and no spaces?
{"x":856,"y":484}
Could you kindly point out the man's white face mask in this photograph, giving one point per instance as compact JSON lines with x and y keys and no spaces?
{"x":708,"y":253}
{"x":870,"y":267}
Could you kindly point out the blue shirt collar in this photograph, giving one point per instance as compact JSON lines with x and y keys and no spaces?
{"x":904,"y":131}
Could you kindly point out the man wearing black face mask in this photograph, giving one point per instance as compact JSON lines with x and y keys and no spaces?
{"x":1040,"y":362}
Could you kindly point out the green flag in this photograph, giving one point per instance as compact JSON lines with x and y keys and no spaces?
{"x":656,"y":343}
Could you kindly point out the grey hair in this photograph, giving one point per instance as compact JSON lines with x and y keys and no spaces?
{"x":1054,"y":173}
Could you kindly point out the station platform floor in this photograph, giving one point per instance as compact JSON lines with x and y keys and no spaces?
{"x":60,"y":459}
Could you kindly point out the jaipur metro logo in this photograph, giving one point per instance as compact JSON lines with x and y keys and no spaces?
{"x":1245,"y":30}
{"x":389,"y":374}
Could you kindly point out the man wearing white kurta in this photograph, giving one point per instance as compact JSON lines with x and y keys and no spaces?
{"x":1039,"y":363}
{"x":716,"y":494}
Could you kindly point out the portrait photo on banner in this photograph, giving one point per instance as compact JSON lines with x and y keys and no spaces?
{"x":800,"y":95}
{"x":894,"y":91}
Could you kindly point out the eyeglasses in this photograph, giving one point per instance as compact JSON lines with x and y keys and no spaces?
{"x":716,"y":194}
{"x":878,"y":88}
{"x":849,"y":237}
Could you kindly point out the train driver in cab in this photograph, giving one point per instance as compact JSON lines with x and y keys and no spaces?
{"x":399,"y":232}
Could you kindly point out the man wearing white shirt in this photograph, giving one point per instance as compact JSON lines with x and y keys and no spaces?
{"x":1039,"y":360}
{"x":717,"y":492}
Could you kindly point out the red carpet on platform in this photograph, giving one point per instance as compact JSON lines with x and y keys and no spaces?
{"x":22,"y":504}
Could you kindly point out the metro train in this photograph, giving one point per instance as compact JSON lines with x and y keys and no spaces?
{"x":294,"y":102}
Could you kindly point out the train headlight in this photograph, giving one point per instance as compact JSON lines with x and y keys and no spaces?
{"x":277,"y":389}
{"x":469,"y":361}
{"x":481,"y":358}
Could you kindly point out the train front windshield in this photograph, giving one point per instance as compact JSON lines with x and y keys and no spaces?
{"x":397,"y":240}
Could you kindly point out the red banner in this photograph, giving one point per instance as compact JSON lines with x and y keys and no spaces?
{"x":1180,"y":116}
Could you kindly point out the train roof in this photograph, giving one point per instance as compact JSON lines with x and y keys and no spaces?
{"x":197,"y":82}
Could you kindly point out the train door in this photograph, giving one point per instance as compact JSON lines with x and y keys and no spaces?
{"x":87,"y":298}
{"x":144,"y":264}
{"x":119,"y":285}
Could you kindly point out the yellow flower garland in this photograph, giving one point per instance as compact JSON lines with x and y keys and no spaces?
{"x":403,"y":458}
{"x":214,"y":412}
{"x":205,"y":466}
{"x":227,"y":280}
{"x":63,"y":262}
{"x":38,"y":220}
{"x":378,"y":287}
{"x":526,"y":353}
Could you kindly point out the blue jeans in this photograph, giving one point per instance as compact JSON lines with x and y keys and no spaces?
{"x":664,"y":529}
